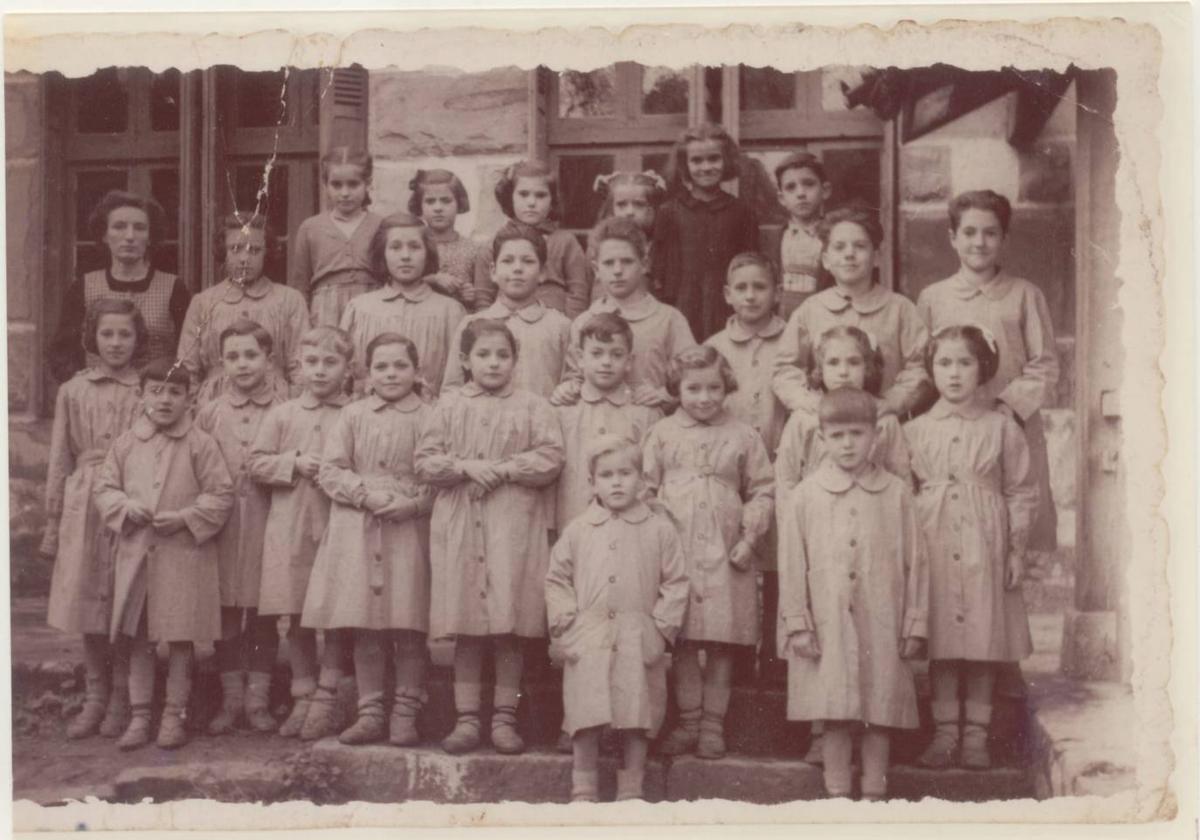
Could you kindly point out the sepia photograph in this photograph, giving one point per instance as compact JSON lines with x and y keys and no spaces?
{"x":646,"y":418}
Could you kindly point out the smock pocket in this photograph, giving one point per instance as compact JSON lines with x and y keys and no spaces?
{"x":591,"y":630}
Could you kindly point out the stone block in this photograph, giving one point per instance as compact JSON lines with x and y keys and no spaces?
{"x":22,"y":368}
{"x":924,"y":174}
{"x":427,"y":114}
{"x":757,"y":780}
{"x":1046,"y":173}
{"x":226,"y":781}
{"x":23,"y":235}
{"x":1089,"y":650}
{"x":23,"y":127}
{"x":383,"y":773}
{"x":956,"y":785}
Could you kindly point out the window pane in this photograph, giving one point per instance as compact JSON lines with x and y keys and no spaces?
{"x":576,"y":179}
{"x":164,"y":186}
{"x":164,"y":101}
{"x":102,"y":102}
{"x":90,"y":187}
{"x":765,"y":89}
{"x":664,"y":91}
{"x":591,"y":94}
{"x":253,"y":196}
{"x":260,"y":99}
{"x":854,"y":174}
{"x":836,"y":82}
{"x":273,"y":201}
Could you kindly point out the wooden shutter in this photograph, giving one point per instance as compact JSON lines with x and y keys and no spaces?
{"x":343,"y":97}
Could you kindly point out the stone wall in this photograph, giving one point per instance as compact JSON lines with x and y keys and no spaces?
{"x":474,"y":124}
{"x":24,"y":213}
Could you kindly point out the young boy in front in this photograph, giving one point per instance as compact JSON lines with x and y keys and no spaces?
{"x":750,"y":342}
{"x":616,"y":593}
{"x":618,"y":252}
{"x":246,"y":651}
{"x":853,"y":596}
{"x":803,"y":191}
{"x":165,"y":492}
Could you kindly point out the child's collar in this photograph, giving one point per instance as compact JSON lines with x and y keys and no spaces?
{"x":836,"y":480}
{"x":144,"y":428}
{"x":408,"y":403}
{"x":972,"y":409}
{"x":807,"y":227}
{"x":837,"y":300}
{"x":474,"y":389}
{"x":263,"y":395}
{"x":531,"y":313}
{"x":994,"y":289}
{"x":740,"y":332}
{"x":97,"y":374}
{"x":598,"y":514}
{"x":235,"y":291}
{"x":689,"y":422}
{"x":309,"y":400}
{"x":618,"y":396}
{"x":642,"y":308}
{"x":415,"y":293}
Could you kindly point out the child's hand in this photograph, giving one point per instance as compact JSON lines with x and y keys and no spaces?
{"x":652,"y":397}
{"x":475,"y":492}
{"x":912,"y":647}
{"x":49,"y":546}
{"x":308,"y":465}
{"x":740,"y":556}
{"x":397,"y":510}
{"x":168,"y":522}
{"x":804,"y":644}
{"x":567,"y":393}
{"x":1014,"y":569}
{"x":137,"y":513}
{"x":377,"y":500}
{"x":483,"y":473}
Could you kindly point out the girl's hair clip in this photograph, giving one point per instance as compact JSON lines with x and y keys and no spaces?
{"x":602,"y":181}
{"x":656,"y":178}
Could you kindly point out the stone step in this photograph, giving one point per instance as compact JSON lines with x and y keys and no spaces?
{"x":331,"y":773}
{"x":378,"y":773}
{"x":756,"y":724}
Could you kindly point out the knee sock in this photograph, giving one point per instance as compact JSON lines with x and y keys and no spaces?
{"x":302,"y":656}
{"x":468,"y":668}
{"x":141,"y":672}
{"x":689,"y":681}
{"x":369,"y":664}
{"x":838,"y":743}
{"x":876,"y":745}
{"x":509,"y":661}
{"x":410,"y":656}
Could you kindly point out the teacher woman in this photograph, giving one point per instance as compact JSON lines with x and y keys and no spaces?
{"x":128,"y":225}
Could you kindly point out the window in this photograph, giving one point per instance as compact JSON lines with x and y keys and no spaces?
{"x":627,"y":116}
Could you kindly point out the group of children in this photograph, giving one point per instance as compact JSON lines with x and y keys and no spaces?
{"x":422,"y":441}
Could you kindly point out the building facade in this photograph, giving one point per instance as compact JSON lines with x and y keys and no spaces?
{"x":204,"y":142}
